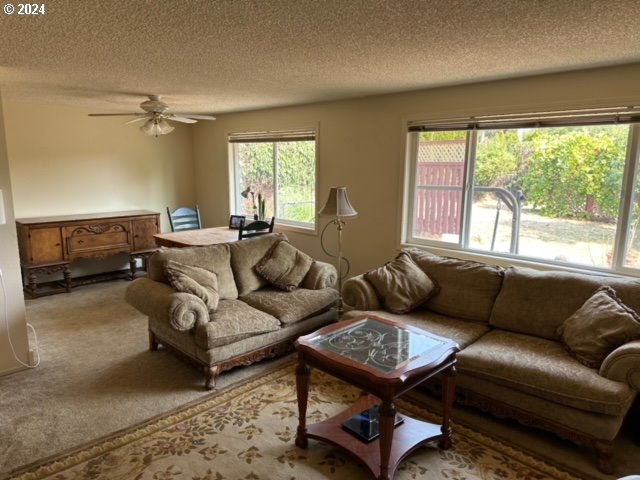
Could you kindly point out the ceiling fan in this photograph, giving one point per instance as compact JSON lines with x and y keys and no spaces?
{"x":155,"y":116}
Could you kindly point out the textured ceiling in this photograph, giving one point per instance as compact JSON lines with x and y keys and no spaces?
{"x":216,"y":56}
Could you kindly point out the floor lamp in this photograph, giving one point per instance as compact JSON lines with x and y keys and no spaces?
{"x":337,"y":206}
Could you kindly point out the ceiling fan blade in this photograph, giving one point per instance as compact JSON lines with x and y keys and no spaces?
{"x":180,"y":119}
{"x":197,"y":117}
{"x":113,"y":114}
{"x":141,"y":117}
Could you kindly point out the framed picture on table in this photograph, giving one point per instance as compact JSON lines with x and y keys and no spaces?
{"x":234,"y":221}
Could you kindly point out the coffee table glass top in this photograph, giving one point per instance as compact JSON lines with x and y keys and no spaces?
{"x":379,"y":345}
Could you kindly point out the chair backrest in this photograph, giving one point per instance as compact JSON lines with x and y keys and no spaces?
{"x":255,"y":228}
{"x":184,"y":218}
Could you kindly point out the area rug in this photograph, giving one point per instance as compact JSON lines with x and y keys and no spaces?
{"x":248,"y":433}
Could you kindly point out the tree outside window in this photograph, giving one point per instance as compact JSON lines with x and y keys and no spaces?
{"x":551,"y":193}
{"x":282,"y":174}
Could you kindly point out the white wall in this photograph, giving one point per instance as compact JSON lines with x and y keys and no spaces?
{"x":12,"y":314}
{"x":64,"y":162}
{"x":361,"y":145}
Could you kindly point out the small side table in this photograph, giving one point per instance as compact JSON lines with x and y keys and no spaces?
{"x":385,"y":359}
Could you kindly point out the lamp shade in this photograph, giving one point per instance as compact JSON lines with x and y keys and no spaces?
{"x":156,"y":126}
{"x":338,"y":204}
{"x":245,"y":193}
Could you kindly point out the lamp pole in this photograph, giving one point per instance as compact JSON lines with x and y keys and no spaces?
{"x":340,"y":224}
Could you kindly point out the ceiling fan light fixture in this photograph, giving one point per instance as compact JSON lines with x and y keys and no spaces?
{"x":156,"y":116}
{"x":156,"y":126}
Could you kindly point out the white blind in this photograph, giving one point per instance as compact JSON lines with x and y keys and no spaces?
{"x":273,"y":136}
{"x":610,"y":115}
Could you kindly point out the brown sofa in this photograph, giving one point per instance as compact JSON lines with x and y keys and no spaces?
{"x":252,"y":320}
{"x":514,"y":361}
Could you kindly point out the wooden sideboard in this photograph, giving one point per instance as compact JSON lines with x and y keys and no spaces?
{"x":49,"y":244}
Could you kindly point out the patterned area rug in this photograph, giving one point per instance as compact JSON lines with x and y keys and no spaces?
{"x":248,"y":433}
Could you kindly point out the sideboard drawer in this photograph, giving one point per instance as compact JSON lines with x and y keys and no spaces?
{"x":94,"y":240}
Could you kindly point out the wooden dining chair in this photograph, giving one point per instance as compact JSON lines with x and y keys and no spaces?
{"x":184,"y":218}
{"x":254,"y":228}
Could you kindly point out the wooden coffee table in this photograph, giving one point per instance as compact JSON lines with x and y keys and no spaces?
{"x":385,"y":359}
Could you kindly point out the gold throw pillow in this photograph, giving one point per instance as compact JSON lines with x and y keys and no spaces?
{"x":400,"y":284}
{"x":601,"y":325}
{"x":284,"y":266}
{"x":194,"y":280}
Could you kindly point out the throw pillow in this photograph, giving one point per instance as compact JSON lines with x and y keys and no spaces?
{"x":284,"y":266}
{"x":601,"y":325}
{"x":401,"y":284}
{"x":194,"y":280}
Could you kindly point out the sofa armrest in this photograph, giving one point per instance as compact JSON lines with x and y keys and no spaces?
{"x":182,"y":311}
{"x":623,"y":365}
{"x":320,"y":275}
{"x":359,"y":294}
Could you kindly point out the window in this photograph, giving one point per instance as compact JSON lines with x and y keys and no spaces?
{"x":278,"y":168}
{"x":551,"y":188}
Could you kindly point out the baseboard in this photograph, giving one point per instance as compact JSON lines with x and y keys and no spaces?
{"x":11,"y":370}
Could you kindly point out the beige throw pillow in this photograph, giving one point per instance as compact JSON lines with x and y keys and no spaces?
{"x":284,"y":266}
{"x":195,"y":280}
{"x":601,"y":325}
{"x":401,"y":284}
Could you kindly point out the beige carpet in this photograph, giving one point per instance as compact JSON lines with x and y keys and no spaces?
{"x":249,"y":433}
{"x":98,"y":377}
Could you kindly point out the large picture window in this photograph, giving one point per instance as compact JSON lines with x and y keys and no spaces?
{"x":278,"y":168}
{"x":555,"y":188}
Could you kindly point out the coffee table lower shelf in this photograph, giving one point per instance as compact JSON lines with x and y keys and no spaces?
{"x":407,"y":436}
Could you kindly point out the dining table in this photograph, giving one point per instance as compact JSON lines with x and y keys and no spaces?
{"x":196,"y":238}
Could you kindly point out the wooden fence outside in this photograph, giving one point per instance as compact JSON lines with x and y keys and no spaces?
{"x":438,"y":197}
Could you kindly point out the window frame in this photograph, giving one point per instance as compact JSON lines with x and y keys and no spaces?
{"x":274,"y":137}
{"x":461,"y":247}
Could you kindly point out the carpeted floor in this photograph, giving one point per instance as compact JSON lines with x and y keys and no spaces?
{"x":98,"y":377}
{"x":249,"y":431}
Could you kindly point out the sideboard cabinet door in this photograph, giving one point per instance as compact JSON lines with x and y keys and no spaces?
{"x":144,"y":229}
{"x":45,"y":245}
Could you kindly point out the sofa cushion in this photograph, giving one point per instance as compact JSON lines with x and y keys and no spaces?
{"x":320,"y":275}
{"x":400,"y":284}
{"x":466,"y":289}
{"x":286,"y":334}
{"x":194,"y":280}
{"x":538,"y":302}
{"x":284,"y":266}
{"x":245,"y":255}
{"x":212,"y":257}
{"x":233,"y":321}
{"x":359,"y":294}
{"x":542,"y":368}
{"x":601,"y":325}
{"x":291,"y":307}
{"x":463,"y":332}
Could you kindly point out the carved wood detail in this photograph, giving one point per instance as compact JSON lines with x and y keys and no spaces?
{"x":98,"y":229}
{"x":602,"y":448}
{"x":32,"y":280}
{"x":212,"y":371}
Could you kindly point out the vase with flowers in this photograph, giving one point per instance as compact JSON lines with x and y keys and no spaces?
{"x":259,"y":209}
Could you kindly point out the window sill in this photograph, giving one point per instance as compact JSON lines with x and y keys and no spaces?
{"x":284,"y":227}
